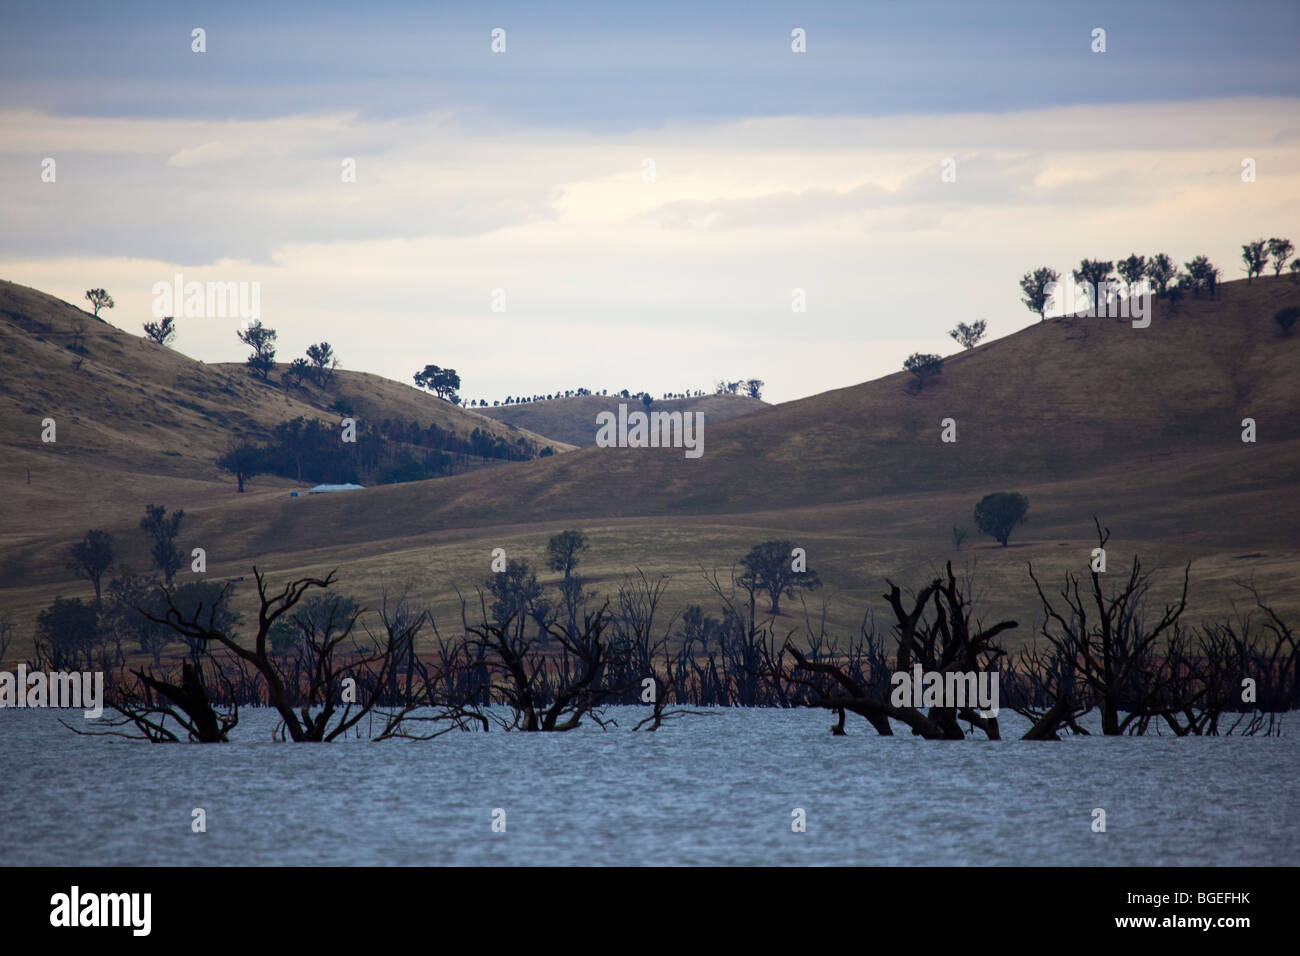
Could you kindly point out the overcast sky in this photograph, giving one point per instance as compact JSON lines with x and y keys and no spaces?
{"x":525,"y":171}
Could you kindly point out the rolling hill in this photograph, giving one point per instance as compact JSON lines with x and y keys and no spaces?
{"x":1141,"y":427}
{"x":132,"y":416}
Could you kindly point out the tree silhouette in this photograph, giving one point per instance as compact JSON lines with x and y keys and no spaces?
{"x":100,"y":299}
{"x":1280,"y":250}
{"x":769,"y":569}
{"x":323,"y":362}
{"x":160,"y":332}
{"x":1160,"y":271}
{"x":90,"y":558}
{"x":1132,"y":270}
{"x":242,"y":460}
{"x":262,"y":341}
{"x":162,"y":531}
{"x":563,"y":550}
{"x":1255,"y":255}
{"x":1034,"y":285}
{"x":923,"y":366}
{"x":443,"y":382}
{"x":998,"y":514}
{"x":1095,"y":272}
{"x":968,"y":336}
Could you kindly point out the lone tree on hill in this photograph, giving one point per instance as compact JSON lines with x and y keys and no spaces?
{"x":770,"y":568}
{"x":244,"y":461}
{"x":1280,"y":250}
{"x":160,"y":332}
{"x":100,"y":299}
{"x":1255,"y":255}
{"x":998,"y":514}
{"x":1161,"y":270}
{"x":968,"y":336}
{"x":1035,"y":287}
{"x":262,"y":341}
{"x":443,"y":382}
{"x":90,"y":558}
{"x":563,"y":550}
{"x":162,"y":531}
{"x":922,"y":367}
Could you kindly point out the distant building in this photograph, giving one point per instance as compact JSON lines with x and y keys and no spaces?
{"x":321,"y":489}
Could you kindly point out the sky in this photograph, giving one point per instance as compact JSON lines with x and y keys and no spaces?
{"x":632,"y":196}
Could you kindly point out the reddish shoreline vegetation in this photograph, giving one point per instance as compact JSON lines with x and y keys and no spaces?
{"x":538,"y":660}
{"x":550,"y":660}
{"x":1181,"y":431}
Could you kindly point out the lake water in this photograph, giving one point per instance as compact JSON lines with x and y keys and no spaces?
{"x":703,"y":790}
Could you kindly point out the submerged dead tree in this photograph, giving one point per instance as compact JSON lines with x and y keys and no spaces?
{"x":1106,"y":642}
{"x":935,"y":629}
{"x":549,"y":690}
{"x":325,"y":709}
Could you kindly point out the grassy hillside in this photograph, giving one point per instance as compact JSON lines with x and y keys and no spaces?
{"x":134,"y":407}
{"x":573,"y":420}
{"x":1139,"y":426}
{"x":1054,"y":402}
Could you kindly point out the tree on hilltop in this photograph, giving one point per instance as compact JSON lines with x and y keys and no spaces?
{"x":100,"y":299}
{"x":160,"y":332}
{"x":443,"y":382}
{"x":1035,"y":285}
{"x":1095,"y":272}
{"x":262,"y":341}
{"x":1280,"y":250}
{"x":1160,"y":271}
{"x":1255,"y":255}
{"x":968,"y":336}
{"x":323,"y":363}
{"x":1202,"y":274}
{"x":923,"y":366}
{"x":1132,"y":270}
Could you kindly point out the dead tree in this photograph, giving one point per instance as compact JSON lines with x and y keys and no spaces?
{"x":1043,"y":687}
{"x":1115,"y":651}
{"x":331,"y":652}
{"x":147,"y":701}
{"x":938,"y":631}
{"x":550,"y":690}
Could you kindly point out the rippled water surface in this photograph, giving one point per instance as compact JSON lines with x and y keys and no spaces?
{"x":708,"y":790}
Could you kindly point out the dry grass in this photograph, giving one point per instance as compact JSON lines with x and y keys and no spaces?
{"x":1141,"y":427}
